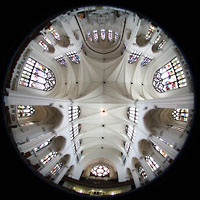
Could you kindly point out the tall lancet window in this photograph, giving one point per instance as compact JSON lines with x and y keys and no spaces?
{"x":43,"y":145}
{"x":35,"y":75}
{"x":150,"y":32}
{"x":132,"y":113}
{"x":89,"y":36}
{"x":49,"y":157}
{"x":161,"y":151}
{"x":110,"y":35}
{"x":103,"y":34}
{"x":169,"y":77}
{"x":152,"y":163}
{"x":95,"y":34}
{"x":54,"y":33}
{"x":74,"y":112}
{"x":55,"y":171}
{"x":142,"y":173}
{"x":130,"y":132}
{"x":180,"y":114}
{"x":74,"y":131}
{"x":25,"y":111}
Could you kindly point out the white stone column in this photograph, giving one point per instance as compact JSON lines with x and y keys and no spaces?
{"x":169,"y":150}
{"x":136,"y":178}
{"x":147,"y":169}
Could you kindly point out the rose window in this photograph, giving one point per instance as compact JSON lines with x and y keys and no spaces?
{"x":100,"y":171}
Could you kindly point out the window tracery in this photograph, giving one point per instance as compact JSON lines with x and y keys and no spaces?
{"x":43,"y":45}
{"x":132,"y":113}
{"x":134,"y":56}
{"x":180,"y":114}
{"x":130,"y":131}
{"x":100,"y":171}
{"x":146,"y":60}
{"x":43,"y":145}
{"x":142,"y":173}
{"x":25,"y":111}
{"x":110,"y":35}
{"x":159,"y":150}
{"x":74,"y":131}
{"x":95,"y":34}
{"x":53,"y":32}
{"x":49,"y":157}
{"x":152,"y":163}
{"x":150,"y":32}
{"x":104,"y":34}
{"x":35,"y":75}
{"x":61,"y":60}
{"x":73,"y":56}
{"x":56,"y":169}
{"x":74,"y":112}
{"x":169,"y":77}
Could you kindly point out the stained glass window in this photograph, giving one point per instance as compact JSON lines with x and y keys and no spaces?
{"x":43,"y":145}
{"x":142,"y":173}
{"x":74,"y":112}
{"x":74,"y":131}
{"x":48,"y":157}
{"x":103,"y":34}
{"x":130,"y":132}
{"x":133,"y":114}
{"x":56,"y":169}
{"x":61,"y":60}
{"x":162,"y":44}
{"x":161,"y":151}
{"x":25,"y":111}
{"x":116,"y":36}
{"x":146,"y":60}
{"x":100,"y":171}
{"x":150,"y":32}
{"x":165,"y":142}
{"x":89,"y":36}
{"x":73,"y":56}
{"x":169,"y":77}
{"x":152,"y":163}
{"x":54,"y":33}
{"x":43,"y":45}
{"x":46,"y":39}
{"x":95,"y":34}
{"x":157,"y":39}
{"x":180,"y":114}
{"x":36,"y":75}
{"x":110,"y":36}
{"x":134,"y":56}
